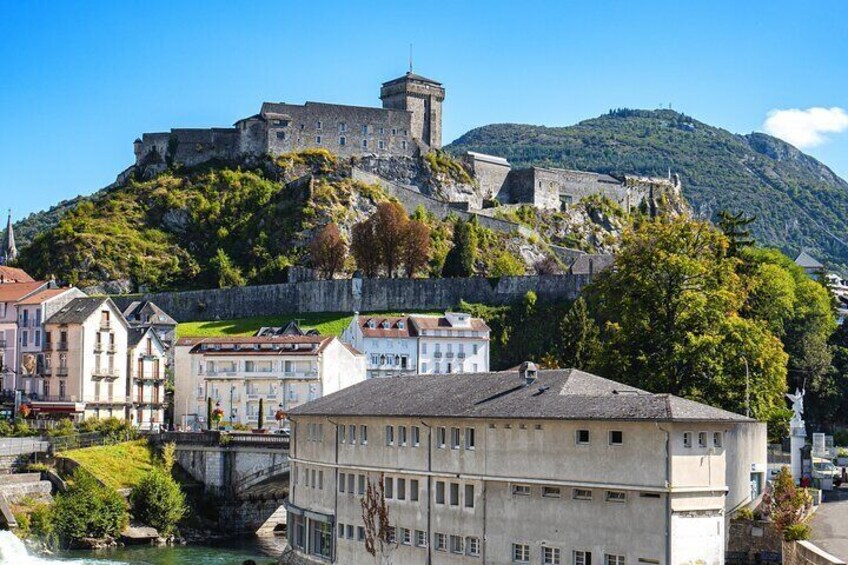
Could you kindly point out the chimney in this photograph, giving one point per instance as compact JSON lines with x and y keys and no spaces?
{"x":528,"y":372}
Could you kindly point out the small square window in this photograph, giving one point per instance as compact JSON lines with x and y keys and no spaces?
{"x":582,"y":494}
{"x":616,"y":437}
{"x":520,"y":553}
{"x":551,"y":492}
{"x":582,"y":437}
{"x":616,"y":496}
{"x":717,"y":439}
{"x":521,"y":490}
{"x":318,"y":139}
{"x":613,"y":559}
{"x":441,"y":543}
{"x":551,"y":555}
{"x":342,"y":141}
{"x":472,"y":546}
{"x":420,"y":538}
{"x":456,"y":545}
{"x":702,"y":439}
{"x":582,"y":558}
{"x":405,"y":536}
{"x":687,"y":439}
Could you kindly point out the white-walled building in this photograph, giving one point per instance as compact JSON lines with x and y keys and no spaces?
{"x":32,"y":313}
{"x":146,"y":361}
{"x":85,"y":365}
{"x":10,"y":294}
{"x":235,"y":372}
{"x":420,"y":344}
{"x":520,"y":467}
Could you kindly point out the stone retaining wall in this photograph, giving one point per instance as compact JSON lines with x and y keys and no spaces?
{"x":807,"y":553}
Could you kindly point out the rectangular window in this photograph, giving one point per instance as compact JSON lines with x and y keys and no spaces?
{"x":582,"y":437}
{"x":717,"y":439}
{"x":441,"y":438}
{"x":649,"y":495}
{"x":441,"y":543}
{"x":582,"y":558}
{"x":350,"y":480}
{"x":320,"y":480}
{"x":520,"y":553}
{"x":402,"y":436}
{"x":470,"y":439}
{"x":582,"y":494}
{"x":340,"y":427}
{"x":405,"y":536}
{"x":381,"y":144}
{"x":401,"y":489}
{"x":610,"y":559}
{"x":365,"y":143}
{"x":550,"y":555}
{"x":456,"y":545}
{"x":440,"y":492}
{"x":616,"y":437}
{"x":616,"y":496}
{"x":551,"y":492}
{"x":361,"y":485}
{"x":454,"y":494}
{"x":687,"y":439}
{"x":389,"y":487}
{"x":472,"y":546}
{"x":363,"y":435}
{"x":390,"y":435}
{"x":318,"y":124}
{"x":342,"y":483}
{"x":365,"y":130}
{"x":416,"y":436}
{"x":469,"y":496}
{"x":341,"y":530}
{"x":455,"y":438}
{"x":351,"y":434}
{"x":423,"y":367}
{"x":702,"y":439}
{"x":360,"y":533}
{"x":413,"y":490}
{"x":318,"y":139}
{"x":342,"y":127}
{"x":420,"y":538}
{"x":520,"y":490}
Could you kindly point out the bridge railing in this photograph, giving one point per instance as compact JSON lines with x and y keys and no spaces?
{"x":216,"y":438}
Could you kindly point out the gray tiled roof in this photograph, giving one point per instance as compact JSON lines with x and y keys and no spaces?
{"x":158,"y":317}
{"x":807,"y":261}
{"x":76,"y":311}
{"x":567,"y":394}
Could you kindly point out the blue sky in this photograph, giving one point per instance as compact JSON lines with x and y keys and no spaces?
{"x":80,"y":80}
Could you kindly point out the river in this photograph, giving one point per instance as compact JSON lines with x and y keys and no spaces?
{"x":263,"y":551}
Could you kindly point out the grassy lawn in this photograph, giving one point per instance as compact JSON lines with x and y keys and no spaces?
{"x":327,"y":323}
{"x":119,"y":466}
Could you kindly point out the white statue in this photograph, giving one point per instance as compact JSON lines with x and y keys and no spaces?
{"x":797,"y":404}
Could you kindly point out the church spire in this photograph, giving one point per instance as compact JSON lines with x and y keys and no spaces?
{"x":10,"y":251}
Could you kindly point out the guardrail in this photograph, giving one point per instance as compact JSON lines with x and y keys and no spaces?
{"x":214,"y":438}
{"x":78,"y":441}
{"x":22,"y":446}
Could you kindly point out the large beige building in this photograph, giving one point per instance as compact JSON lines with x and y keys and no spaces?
{"x":547,"y":467}
{"x":235,"y":372}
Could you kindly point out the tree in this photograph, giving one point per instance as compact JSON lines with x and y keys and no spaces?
{"x":365,"y":248}
{"x":328,"y":251}
{"x":88,"y":509}
{"x":158,"y":501}
{"x":379,"y":532}
{"x":228,"y":274}
{"x":390,"y":225}
{"x":506,"y":265}
{"x":460,"y":259}
{"x":416,"y":247}
{"x":579,"y":342}
{"x":734,"y":227}
{"x":785,"y":504}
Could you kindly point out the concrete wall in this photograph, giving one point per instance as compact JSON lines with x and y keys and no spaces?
{"x":364,"y":295}
{"x":806,"y":553}
{"x":220,"y":467}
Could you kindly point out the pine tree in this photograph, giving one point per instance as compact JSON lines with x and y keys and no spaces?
{"x":734,"y":227}
{"x":209,"y":413}
{"x":580,"y":340}
{"x":459,"y":261}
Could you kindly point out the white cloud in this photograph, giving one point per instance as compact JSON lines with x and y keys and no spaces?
{"x":806,"y":128}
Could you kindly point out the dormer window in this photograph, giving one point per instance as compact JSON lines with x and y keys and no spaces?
{"x":385,"y":324}
{"x":401,"y":324}
{"x":371,"y":324}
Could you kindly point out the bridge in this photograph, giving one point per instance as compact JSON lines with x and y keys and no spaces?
{"x":247,"y":472}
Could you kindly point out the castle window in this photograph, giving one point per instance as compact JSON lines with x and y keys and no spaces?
{"x":403,"y":144}
{"x":318,"y":124}
{"x":365,"y":143}
{"x":394,"y":131}
{"x":342,"y":141}
{"x":382,"y":131}
{"x":365,"y":130}
{"x":342,"y":127}
{"x":281,"y":135}
{"x":318,"y":139}
{"x":405,"y":133}
{"x":381,"y":144}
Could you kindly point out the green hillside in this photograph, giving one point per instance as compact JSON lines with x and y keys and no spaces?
{"x":799,"y":202}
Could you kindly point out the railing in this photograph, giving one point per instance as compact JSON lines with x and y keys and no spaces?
{"x":101,"y":372}
{"x":2,"y":344}
{"x":98,"y":348}
{"x":78,"y":441}
{"x":61,"y":371}
{"x":55,"y":398}
{"x":213,"y":438}
{"x":449,"y":355}
{"x":62,"y":346}
{"x":461,"y":355}
{"x":22,"y":446}
{"x":437,"y":354}
{"x":105,"y":325}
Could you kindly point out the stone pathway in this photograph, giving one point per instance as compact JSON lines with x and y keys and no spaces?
{"x":830,"y":524}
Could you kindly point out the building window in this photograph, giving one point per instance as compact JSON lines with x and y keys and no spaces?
{"x":363,"y":435}
{"x":454,"y":438}
{"x":365,"y":130}
{"x":413,"y":490}
{"x":420,"y":538}
{"x":361,"y":484}
{"x":551,"y":492}
{"x":365,"y":143}
{"x":702,"y":439}
{"x":394,"y":131}
{"x":454,"y":494}
{"x":582,"y":558}
{"x":441,"y":543}
{"x":351,"y":434}
{"x":472,"y":546}
{"x":717,"y":439}
{"x":405,"y":536}
{"x":470,"y":439}
{"x":440,"y":492}
{"x":350,"y":479}
{"x":341,"y":530}
{"x":582,"y":494}
{"x":342,"y":141}
{"x":389,"y":487}
{"x":281,"y":135}
{"x":441,"y":437}
{"x":520,"y":553}
{"x":616,"y":496}
{"x":550,"y":555}
{"x":402,"y":436}
{"x":616,"y":437}
{"x":610,"y":559}
{"x":360,"y":533}
{"x":401,"y":489}
{"x":342,"y":483}
{"x":318,"y":124}
{"x":381,"y":145}
{"x":390,"y":435}
{"x":456,"y":545}
{"x":469,"y":496}
{"x":423,"y":367}
{"x":342,"y":127}
{"x":318,"y":139}
{"x":521,"y":490}
{"x":649,"y":495}
{"x":416,"y":436}
{"x":582,"y":437}
{"x":340,"y":427}
{"x":687,"y":439}
{"x":403,"y":145}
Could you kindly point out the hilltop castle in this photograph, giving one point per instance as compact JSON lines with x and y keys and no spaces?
{"x":409,"y":123}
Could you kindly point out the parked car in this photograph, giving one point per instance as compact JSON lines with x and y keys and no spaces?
{"x":824,"y":469}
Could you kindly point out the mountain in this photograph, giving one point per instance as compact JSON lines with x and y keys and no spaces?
{"x":799,"y":203}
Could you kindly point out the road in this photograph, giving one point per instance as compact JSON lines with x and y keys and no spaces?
{"x":830,"y":524}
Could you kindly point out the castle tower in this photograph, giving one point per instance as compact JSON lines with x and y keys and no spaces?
{"x":421,"y":96}
{"x":10,"y":251}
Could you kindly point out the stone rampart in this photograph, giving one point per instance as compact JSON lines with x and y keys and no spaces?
{"x":363,"y":295}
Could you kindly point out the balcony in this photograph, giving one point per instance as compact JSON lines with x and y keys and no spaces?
{"x":2,"y":344}
{"x":112,"y":348}
{"x":49,"y":398}
{"x":300,"y":374}
{"x":105,"y":325}
{"x":437,"y":354}
{"x":461,"y":355}
{"x":104,"y":373}
{"x":61,"y":371}
{"x":98,"y":348}
{"x":62,"y":346}
{"x":46,"y":346}
{"x":449,"y":354}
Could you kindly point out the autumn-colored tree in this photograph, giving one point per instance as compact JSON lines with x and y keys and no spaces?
{"x":416,"y":247}
{"x":785,"y":504}
{"x":365,"y":248}
{"x":379,"y":533}
{"x":390,"y":224}
{"x":328,"y":251}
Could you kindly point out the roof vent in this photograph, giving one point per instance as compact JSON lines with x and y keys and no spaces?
{"x":529,"y":372}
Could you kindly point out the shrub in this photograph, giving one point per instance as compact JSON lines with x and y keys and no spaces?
{"x":797,"y":532}
{"x":88,"y":509}
{"x":744,"y":514}
{"x":64,"y":428}
{"x":158,"y":501}
{"x":506,"y":265}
